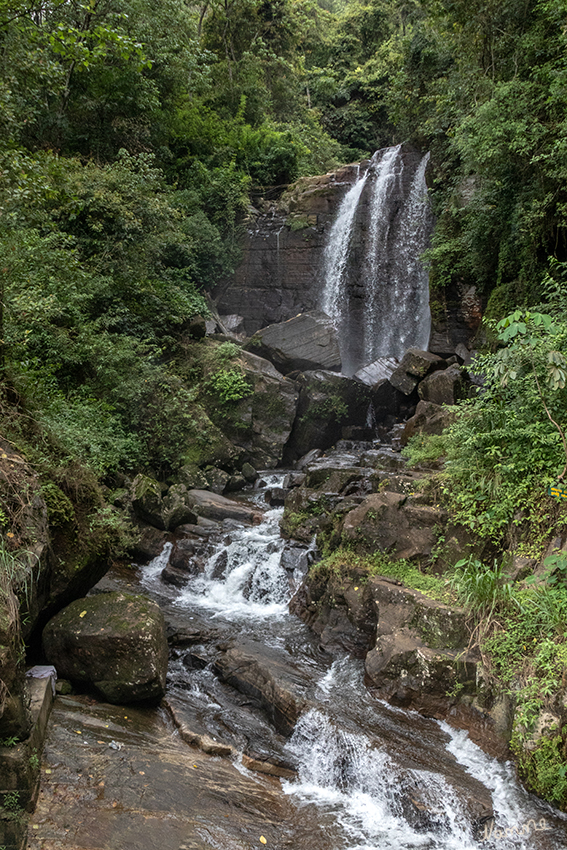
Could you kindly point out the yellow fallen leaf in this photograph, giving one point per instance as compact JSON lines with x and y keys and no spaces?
{"x":35,"y":826}
{"x":9,"y":534}
{"x":142,"y":772}
{"x":82,"y":614}
{"x":263,"y":840}
{"x":78,"y":731}
{"x":100,"y":742}
{"x":356,"y":588}
{"x":48,"y":770}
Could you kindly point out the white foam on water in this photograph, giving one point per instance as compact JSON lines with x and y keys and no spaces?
{"x":253,"y":584}
{"x":514,"y":809}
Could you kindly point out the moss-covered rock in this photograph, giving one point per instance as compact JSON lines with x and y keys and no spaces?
{"x":327,"y":403}
{"x":147,"y":500}
{"x":394,"y":523}
{"x":261,"y":423}
{"x":113,"y":641}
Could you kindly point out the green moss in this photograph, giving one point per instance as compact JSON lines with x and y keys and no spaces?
{"x":344,"y":563}
{"x":332,"y":407}
{"x":301,"y":221}
{"x":544,"y":769}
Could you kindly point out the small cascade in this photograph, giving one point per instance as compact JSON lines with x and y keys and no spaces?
{"x":376,"y":288}
{"x":378,"y":804}
{"x":244,"y":577}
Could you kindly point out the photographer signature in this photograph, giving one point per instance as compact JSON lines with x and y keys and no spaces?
{"x":525,"y":830}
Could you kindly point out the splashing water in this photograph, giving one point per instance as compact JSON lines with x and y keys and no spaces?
{"x":244,"y":578}
{"x":369,"y":794}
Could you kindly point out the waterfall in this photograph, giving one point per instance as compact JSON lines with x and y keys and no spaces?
{"x":336,"y":252}
{"x":376,"y":288}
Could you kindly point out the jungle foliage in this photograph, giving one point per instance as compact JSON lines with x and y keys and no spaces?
{"x":132,"y":134}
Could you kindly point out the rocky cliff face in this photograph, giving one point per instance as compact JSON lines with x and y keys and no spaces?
{"x":280,"y":272}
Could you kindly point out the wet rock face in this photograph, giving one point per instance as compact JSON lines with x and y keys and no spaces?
{"x":258,"y":672}
{"x":308,"y":341}
{"x":113,"y":641}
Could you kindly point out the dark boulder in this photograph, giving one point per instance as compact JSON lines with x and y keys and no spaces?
{"x":308,"y":341}
{"x":115,"y":642}
{"x":429,"y":418}
{"x":327,"y":403}
{"x":261,"y":423}
{"x":445,"y":387}
{"x":149,"y":544}
{"x":394,"y":523}
{"x":414,"y":366}
{"x":420,"y":656}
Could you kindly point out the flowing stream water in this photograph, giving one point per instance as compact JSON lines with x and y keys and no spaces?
{"x":373,"y":776}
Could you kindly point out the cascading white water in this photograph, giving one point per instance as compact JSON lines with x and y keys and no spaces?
{"x":336,"y":253}
{"x":369,"y":794}
{"x":373,"y":797}
{"x":376,"y":289}
{"x":388,"y":170}
{"x":396,"y":313}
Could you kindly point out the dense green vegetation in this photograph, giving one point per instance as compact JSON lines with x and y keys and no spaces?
{"x":133,"y":136}
{"x":506,"y":447}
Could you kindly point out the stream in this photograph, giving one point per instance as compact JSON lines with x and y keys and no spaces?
{"x":356,"y":773}
{"x":386,"y":777}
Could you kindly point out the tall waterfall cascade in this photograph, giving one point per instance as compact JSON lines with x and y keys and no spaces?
{"x":375,"y":287}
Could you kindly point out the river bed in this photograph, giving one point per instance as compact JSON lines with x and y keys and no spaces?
{"x":358,"y":774}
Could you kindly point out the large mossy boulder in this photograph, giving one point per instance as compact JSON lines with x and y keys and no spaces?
{"x":393,"y":523}
{"x":207,"y":444}
{"x":308,"y":341}
{"x":260,"y":424}
{"x":114,"y":642}
{"x":327,"y":403}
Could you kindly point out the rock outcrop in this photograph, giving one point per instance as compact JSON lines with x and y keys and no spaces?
{"x":308,"y":341}
{"x":114,"y":642}
{"x":393,"y":523}
{"x":327,"y":404}
{"x":261,"y":423}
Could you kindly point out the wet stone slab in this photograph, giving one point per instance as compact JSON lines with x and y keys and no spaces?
{"x":152,"y":790}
